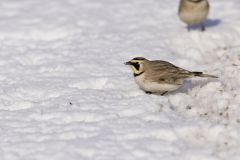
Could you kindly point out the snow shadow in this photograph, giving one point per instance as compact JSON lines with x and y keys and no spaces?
{"x":190,"y":84}
{"x":212,"y":22}
{"x":208,"y":23}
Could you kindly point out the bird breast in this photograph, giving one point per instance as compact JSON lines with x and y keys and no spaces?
{"x":154,"y":86}
{"x":193,"y":13}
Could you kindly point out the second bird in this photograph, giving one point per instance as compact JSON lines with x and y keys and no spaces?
{"x":193,"y":12}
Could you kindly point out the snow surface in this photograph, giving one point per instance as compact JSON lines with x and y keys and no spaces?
{"x":66,"y":95}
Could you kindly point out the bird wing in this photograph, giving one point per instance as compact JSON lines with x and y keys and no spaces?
{"x":165,"y":72}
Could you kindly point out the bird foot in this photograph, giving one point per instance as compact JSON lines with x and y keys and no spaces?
{"x":164,"y":93}
{"x":147,"y":92}
{"x":203,"y":28}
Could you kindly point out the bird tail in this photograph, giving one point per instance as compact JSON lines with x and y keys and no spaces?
{"x":201,"y":74}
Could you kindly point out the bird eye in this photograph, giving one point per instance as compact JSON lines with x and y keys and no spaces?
{"x":136,"y":65}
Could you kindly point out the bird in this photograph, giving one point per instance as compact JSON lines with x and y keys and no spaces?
{"x":158,"y":76}
{"x":193,"y":12}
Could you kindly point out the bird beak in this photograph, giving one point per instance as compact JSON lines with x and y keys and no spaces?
{"x":128,"y":63}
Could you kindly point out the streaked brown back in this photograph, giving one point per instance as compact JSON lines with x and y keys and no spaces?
{"x":164,"y":72}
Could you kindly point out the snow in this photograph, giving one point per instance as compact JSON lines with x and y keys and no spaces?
{"x":66,"y":94}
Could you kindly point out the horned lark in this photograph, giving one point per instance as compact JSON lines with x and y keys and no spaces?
{"x":193,"y":12}
{"x":160,"y":76}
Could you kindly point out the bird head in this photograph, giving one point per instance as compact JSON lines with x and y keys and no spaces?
{"x":137,"y":65}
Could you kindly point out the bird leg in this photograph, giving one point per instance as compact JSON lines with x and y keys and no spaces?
{"x":164,"y":93}
{"x":202,"y":27}
{"x":148,"y":92}
{"x":188,"y":28}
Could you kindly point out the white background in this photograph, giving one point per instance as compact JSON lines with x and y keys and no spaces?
{"x":66,"y":94}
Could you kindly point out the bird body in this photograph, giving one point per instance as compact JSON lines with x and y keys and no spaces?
{"x":151,"y":86}
{"x":193,"y":11}
{"x":160,"y":76}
